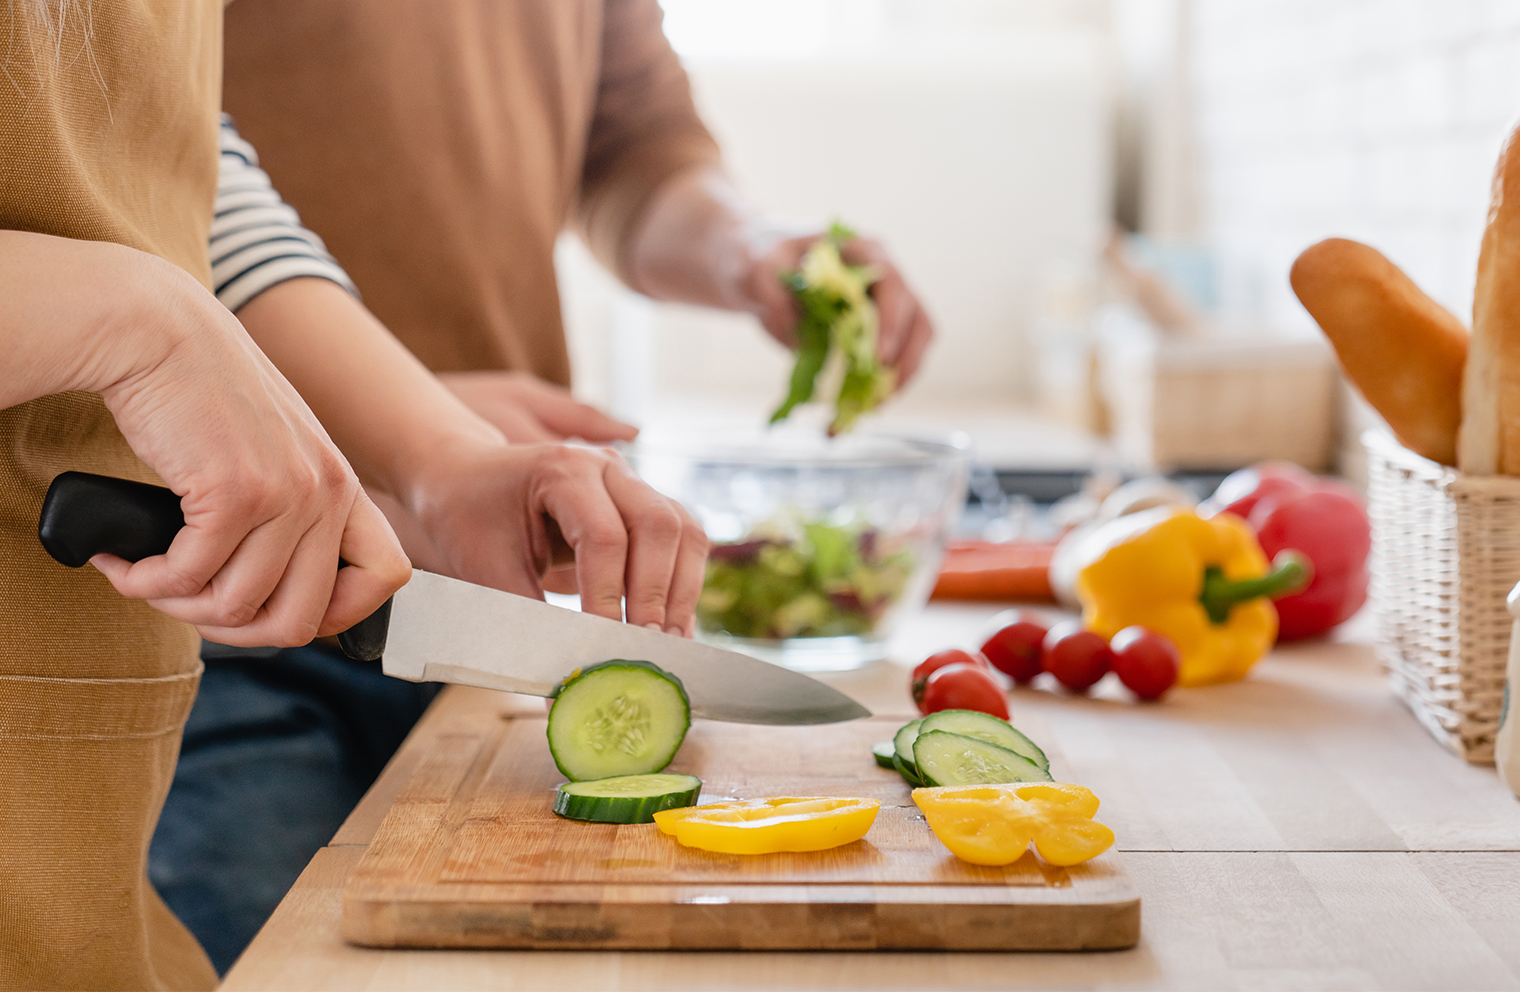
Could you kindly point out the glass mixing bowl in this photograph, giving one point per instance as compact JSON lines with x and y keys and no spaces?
{"x":819,"y":546}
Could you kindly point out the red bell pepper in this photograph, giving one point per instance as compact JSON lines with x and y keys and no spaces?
{"x":1322,"y":518}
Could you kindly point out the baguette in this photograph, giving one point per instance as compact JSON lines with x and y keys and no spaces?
{"x":1490,"y":436}
{"x":1402,"y":350}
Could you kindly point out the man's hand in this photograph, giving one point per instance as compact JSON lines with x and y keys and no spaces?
{"x":699,"y":241}
{"x":529,"y":410}
{"x":905,"y":328}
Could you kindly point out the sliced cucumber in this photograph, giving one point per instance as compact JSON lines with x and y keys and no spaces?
{"x":617,"y":718}
{"x":884,"y":753}
{"x":985,"y":727}
{"x":903,"y":745}
{"x":944,"y":758}
{"x":909,"y":773}
{"x":626,"y":798}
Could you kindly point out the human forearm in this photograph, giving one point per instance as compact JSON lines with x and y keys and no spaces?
{"x":80,"y":314}
{"x":269,"y":503}
{"x":388,"y":414}
{"x":697,"y":240}
{"x":493,"y":512}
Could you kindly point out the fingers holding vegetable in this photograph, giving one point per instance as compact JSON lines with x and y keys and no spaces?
{"x":496,"y":515}
{"x":765,"y":291}
{"x":666,"y":550}
{"x":850,"y":316}
{"x":905,"y":327}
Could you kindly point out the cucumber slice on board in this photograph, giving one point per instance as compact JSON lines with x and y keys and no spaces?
{"x":944,"y":758}
{"x":985,"y":727}
{"x":909,"y":774}
{"x":626,"y":798}
{"x":617,"y":718}
{"x":884,"y":753}
{"x":903,"y":745}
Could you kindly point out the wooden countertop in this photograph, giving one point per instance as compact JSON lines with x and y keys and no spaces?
{"x":1295,"y":830}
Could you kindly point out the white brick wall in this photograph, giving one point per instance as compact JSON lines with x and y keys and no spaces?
{"x":1378,"y":120}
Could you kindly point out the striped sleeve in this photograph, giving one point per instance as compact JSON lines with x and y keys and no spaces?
{"x":257,"y":240}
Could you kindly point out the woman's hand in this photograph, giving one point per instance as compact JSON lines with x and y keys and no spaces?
{"x":529,"y":410}
{"x":270,"y":504}
{"x":504,"y":515}
{"x":474,"y":506}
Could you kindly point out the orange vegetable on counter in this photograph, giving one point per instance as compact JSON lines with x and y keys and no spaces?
{"x":995,"y":824}
{"x":769,"y":826}
{"x":992,"y":570}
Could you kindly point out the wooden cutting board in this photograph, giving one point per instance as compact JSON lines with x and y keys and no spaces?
{"x":471,"y":856}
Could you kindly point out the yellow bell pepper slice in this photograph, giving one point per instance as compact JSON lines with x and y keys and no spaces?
{"x":995,"y":824}
{"x":769,"y":826}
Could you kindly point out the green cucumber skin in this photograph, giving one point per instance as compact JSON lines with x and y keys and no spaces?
{"x":933,"y":772}
{"x":573,"y":761}
{"x":902,"y":741}
{"x":997,"y":731}
{"x":581,"y":673}
{"x":625,"y":809}
{"x":909,"y":774}
{"x":884,"y":752}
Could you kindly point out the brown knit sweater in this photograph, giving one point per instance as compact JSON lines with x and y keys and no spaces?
{"x":439,"y":148}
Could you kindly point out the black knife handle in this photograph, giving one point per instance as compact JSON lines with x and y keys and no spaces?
{"x":84,"y":515}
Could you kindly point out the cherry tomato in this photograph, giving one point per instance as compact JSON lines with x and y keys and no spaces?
{"x":934,"y":662}
{"x":963,"y":686}
{"x":1077,"y":658}
{"x":1145,"y":661}
{"x":1017,"y":646}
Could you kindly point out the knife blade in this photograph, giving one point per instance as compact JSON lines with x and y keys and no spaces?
{"x":446,"y":630}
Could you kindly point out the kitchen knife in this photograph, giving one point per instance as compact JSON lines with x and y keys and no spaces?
{"x":438,"y":629}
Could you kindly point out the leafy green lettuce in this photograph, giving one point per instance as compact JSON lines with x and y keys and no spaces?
{"x":839,"y":322}
{"x":809,"y":580}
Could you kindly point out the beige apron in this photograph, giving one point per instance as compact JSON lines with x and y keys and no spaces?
{"x":107,"y":132}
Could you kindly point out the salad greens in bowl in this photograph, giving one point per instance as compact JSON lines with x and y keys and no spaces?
{"x":818,"y":545}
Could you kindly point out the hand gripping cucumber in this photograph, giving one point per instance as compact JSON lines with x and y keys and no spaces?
{"x":617,"y":718}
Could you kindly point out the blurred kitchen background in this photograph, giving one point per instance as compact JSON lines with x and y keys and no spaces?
{"x":997,"y":146}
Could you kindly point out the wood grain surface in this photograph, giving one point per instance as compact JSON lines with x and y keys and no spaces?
{"x":471,"y":856}
{"x":1298,"y":829}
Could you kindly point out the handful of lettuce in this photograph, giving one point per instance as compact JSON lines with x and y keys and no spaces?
{"x":809,"y":580}
{"x":839,"y":323}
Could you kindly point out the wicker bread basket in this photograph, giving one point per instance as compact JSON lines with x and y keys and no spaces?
{"x":1445,"y":553}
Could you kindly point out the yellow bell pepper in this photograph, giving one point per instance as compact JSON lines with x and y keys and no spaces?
{"x":766,"y":826}
{"x":1203,"y":584}
{"x":995,"y":824}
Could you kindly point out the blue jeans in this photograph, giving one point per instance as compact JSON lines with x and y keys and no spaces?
{"x":279,"y":747}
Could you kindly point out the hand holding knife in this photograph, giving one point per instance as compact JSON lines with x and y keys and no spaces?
{"x":442,"y":629}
